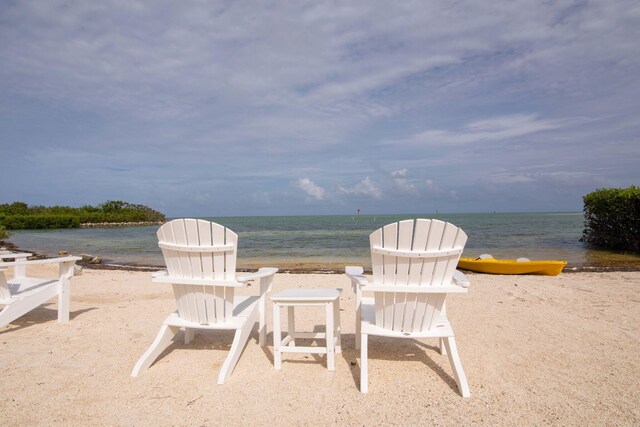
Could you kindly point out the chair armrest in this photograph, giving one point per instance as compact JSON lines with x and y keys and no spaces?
{"x":351,"y":270}
{"x":460,"y":279}
{"x":355,"y":274}
{"x":170,"y":280}
{"x":452,"y":289}
{"x":159,"y":273}
{"x":42,"y":261}
{"x":265,"y":274}
{"x":262,"y":272}
{"x":359,"y":280}
{"x":17,"y":256}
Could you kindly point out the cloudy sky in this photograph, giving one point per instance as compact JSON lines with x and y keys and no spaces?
{"x":215,"y":108}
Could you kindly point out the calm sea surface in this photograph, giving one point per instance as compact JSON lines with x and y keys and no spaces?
{"x":335,"y":241}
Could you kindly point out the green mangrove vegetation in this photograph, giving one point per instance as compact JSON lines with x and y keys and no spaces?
{"x":3,"y":232}
{"x":612,"y":218}
{"x":19,"y":215}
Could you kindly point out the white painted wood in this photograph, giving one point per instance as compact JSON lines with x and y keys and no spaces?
{"x":23,"y":293}
{"x":302,"y":295}
{"x":188,"y":335}
{"x":196,"y":249}
{"x":201,"y":259}
{"x":239,"y":341}
{"x":288,"y":339}
{"x":5,"y":292}
{"x":414,"y":269}
{"x":162,"y":341}
{"x":338,"y":327}
{"x":415,"y":254}
{"x":277,"y":337}
{"x":18,"y":270}
{"x":291,"y":298}
{"x":364,"y":364}
{"x":230,"y":258}
{"x":458,"y":372}
{"x":420,"y":234}
{"x":218,"y":236}
{"x":265,"y":275}
{"x":18,"y":256}
{"x":357,"y":280}
{"x":291,"y":325}
{"x":331,"y":346}
{"x":416,"y":289}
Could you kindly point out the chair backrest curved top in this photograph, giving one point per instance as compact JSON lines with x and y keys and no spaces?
{"x":424,"y":252}
{"x":199,"y":249}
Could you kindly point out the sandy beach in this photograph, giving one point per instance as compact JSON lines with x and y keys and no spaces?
{"x":537,"y":350}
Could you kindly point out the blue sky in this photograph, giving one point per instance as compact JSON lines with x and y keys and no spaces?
{"x":264,"y":108}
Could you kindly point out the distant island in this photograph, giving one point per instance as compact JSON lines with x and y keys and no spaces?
{"x":20,"y":216}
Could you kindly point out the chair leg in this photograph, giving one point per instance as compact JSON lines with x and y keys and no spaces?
{"x":364,"y":364}
{"x":239,"y":340}
{"x":262,"y":325}
{"x":10,"y":313}
{"x":188,"y":335}
{"x":64,"y":297}
{"x":22,"y":306}
{"x":443,"y":350}
{"x":162,"y":341}
{"x":358,"y":320}
{"x":456,"y":365}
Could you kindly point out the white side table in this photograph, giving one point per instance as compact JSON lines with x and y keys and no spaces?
{"x":330,"y":298}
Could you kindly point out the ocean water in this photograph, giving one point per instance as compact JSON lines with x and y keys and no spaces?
{"x":335,"y":241}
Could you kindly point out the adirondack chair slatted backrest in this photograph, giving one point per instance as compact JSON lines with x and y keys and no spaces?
{"x":198,"y":249}
{"x":413,"y":253}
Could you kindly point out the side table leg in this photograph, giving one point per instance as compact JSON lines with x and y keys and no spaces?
{"x":277,"y":337}
{"x":291,"y":325}
{"x":336,"y":316}
{"x":331,"y":355}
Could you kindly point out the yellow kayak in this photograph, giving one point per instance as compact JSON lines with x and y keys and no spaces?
{"x":520,"y":266}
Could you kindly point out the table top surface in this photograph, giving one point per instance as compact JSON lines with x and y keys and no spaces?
{"x":302,"y":294}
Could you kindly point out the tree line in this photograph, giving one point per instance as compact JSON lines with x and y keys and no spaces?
{"x":19,"y":215}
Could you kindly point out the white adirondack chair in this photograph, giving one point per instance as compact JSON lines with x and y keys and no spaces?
{"x":201,"y":265}
{"x":414,"y":268}
{"x":23,"y":293}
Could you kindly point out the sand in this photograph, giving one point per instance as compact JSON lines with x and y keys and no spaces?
{"x":536,"y":351}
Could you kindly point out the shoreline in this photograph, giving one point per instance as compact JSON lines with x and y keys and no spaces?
{"x":119,"y":224}
{"x":323,"y":269}
{"x":303,"y":268}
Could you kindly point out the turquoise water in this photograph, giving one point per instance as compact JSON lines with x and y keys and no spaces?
{"x":334,"y":241}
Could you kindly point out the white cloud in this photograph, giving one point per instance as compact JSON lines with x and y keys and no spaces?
{"x":364,"y":188}
{"x":312,"y":190}
{"x":493,"y":129}
{"x":400,"y":182}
